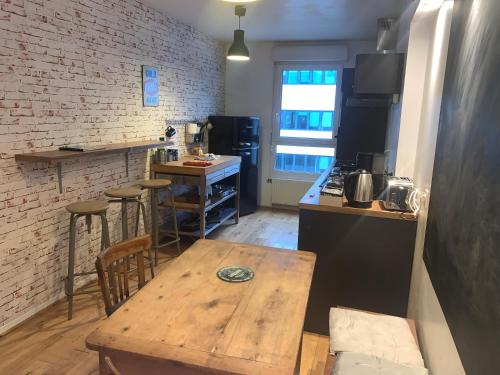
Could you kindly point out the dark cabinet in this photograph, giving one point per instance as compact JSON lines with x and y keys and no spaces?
{"x":363,"y":262}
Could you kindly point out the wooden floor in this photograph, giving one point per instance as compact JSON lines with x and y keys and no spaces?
{"x":49,"y":344}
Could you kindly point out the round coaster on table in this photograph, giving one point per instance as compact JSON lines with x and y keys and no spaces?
{"x":235,"y":274}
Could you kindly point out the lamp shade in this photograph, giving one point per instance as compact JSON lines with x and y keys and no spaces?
{"x":238,"y":50}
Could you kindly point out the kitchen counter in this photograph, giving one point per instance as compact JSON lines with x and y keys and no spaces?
{"x":364,"y":257}
{"x":310,"y":201}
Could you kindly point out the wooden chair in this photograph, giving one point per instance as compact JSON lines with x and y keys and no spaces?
{"x":113,"y":270}
{"x":111,"y":367}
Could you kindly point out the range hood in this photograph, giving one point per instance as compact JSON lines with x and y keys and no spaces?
{"x":387,"y":36}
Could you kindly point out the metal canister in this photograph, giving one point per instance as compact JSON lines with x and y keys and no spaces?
{"x":160,"y":157}
{"x":169,"y":155}
{"x":175,"y":154}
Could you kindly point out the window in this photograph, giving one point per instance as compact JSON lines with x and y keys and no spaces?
{"x":306,"y":101}
{"x":303,"y":159}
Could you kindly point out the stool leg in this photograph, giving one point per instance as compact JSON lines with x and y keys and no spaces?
{"x":88,"y":221}
{"x":71,"y":264}
{"x":105,"y":241}
{"x":144,"y":217}
{"x":174,"y":219}
{"x":124,"y":220}
{"x":137,"y":217}
{"x":154,"y":222}
{"x":142,"y":209}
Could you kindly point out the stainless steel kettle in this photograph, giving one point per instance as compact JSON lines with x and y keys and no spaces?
{"x":358,"y":187}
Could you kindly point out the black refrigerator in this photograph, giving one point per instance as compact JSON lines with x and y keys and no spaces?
{"x":239,"y":136}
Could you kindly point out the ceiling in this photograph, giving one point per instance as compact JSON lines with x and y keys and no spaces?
{"x":285,"y":20}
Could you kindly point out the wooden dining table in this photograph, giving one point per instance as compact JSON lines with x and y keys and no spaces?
{"x":189,"y":321}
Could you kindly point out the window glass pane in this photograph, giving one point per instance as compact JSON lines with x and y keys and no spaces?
{"x":291,"y":77}
{"x":303,"y":159}
{"x":308,"y":104}
{"x":331,"y":77}
{"x":285,"y":76}
{"x":305,"y":76}
{"x":314,"y":120}
{"x":308,"y":97}
{"x":318,"y":77}
{"x":327,"y":120}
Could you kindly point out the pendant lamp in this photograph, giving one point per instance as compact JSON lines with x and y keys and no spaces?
{"x":238,"y":50}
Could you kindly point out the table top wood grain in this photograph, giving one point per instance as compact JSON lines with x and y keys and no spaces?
{"x":177,"y":167}
{"x":189,"y":317}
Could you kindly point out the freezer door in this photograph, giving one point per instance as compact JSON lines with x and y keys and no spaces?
{"x":249,"y":181}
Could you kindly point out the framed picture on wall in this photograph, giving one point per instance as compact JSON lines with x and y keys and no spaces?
{"x":150,"y":86}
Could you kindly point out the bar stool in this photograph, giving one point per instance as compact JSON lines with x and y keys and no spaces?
{"x":85,"y":209}
{"x":154,"y":186}
{"x":125,"y":195}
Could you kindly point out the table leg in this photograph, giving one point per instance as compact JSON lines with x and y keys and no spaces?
{"x":299,"y":357}
{"x":203,"y":193}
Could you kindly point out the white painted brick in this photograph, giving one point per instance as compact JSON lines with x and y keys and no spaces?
{"x":71,"y":72}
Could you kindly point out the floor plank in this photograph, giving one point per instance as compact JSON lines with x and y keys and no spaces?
{"x":49,"y":344}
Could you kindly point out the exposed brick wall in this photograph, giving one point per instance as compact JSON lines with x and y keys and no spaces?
{"x":70,"y":72}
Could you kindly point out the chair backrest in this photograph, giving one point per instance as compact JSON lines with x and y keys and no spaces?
{"x":113,"y":269}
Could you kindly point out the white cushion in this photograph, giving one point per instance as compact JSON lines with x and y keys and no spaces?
{"x":383,"y":336}
{"x":349,"y":363}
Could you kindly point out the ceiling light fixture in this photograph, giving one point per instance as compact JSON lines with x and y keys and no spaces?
{"x":238,"y":50}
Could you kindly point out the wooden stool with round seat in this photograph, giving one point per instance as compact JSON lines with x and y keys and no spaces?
{"x":77,"y":210}
{"x":154,"y":186}
{"x":124,"y":196}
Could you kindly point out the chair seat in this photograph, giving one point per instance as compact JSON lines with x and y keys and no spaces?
{"x":125,"y":192}
{"x":155,"y":183}
{"x":87,"y":207}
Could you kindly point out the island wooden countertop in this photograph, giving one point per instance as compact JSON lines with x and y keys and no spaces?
{"x":187,"y":320}
{"x":58,"y":155}
{"x":310,"y":201}
{"x":177,"y":167}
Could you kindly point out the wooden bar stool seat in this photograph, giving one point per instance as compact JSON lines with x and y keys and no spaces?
{"x":87,"y":207}
{"x":77,"y":210}
{"x":124,"y":192}
{"x":154,"y":185}
{"x":158,"y":183}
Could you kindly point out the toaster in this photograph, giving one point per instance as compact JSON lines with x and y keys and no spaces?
{"x":397,"y":193}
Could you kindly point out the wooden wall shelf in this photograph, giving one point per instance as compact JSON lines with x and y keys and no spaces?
{"x":57,"y":156}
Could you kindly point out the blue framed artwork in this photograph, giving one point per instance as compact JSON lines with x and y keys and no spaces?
{"x":150,"y":86}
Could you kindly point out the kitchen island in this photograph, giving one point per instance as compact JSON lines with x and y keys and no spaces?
{"x":220,"y":169}
{"x":364,"y":257}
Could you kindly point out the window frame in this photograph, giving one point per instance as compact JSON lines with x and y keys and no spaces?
{"x":277,"y":140}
